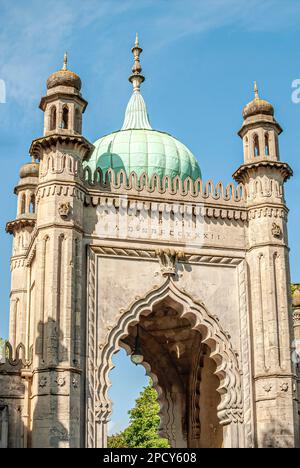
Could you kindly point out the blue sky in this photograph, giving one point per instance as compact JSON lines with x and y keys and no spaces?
{"x":200,"y":60}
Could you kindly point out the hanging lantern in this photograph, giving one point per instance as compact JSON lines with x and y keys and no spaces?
{"x":137,"y":355}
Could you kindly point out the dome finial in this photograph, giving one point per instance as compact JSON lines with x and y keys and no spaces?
{"x":136,"y":78}
{"x":256,"y":95}
{"x":65,"y":65}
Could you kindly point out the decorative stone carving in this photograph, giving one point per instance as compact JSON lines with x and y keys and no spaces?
{"x":64,"y":210}
{"x":276,"y":231}
{"x":284,"y":387}
{"x":61,"y":381}
{"x":151,"y":254}
{"x":267,"y":387}
{"x":168,"y":259}
{"x":60,"y":432}
{"x":43,"y":381}
{"x":296,"y":316}
{"x":13,"y":226}
{"x":75,"y":382}
{"x":153,"y":186}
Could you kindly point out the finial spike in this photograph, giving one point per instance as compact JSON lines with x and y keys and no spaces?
{"x":65,"y":66}
{"x":136,"y":78}
{"x":256,"y":90}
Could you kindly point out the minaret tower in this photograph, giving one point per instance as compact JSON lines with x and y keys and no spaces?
{"x":263,"y":176}
{"x":57,"y":265}
{"x":22,"y":229}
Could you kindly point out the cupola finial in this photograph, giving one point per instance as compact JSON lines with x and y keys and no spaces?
{"x":136,"y":78}
{"x":256,"y":95}
{"x":65,"y":65}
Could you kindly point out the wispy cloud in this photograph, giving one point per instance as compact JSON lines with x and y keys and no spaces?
{"x":194,"y":17}
{"x":34,"y":33}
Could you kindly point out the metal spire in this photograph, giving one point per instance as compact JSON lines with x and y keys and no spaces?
{"x":136,"y":78}
{"x":136,"y":115}
{"x":256,"y":90}
{"x":65,"y":65}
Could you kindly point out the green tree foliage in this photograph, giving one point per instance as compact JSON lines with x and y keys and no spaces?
{"x":143,"y":425}
{"x":117,"y":441}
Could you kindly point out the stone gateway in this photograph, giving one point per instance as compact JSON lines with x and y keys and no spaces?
{"x":121,"y":242}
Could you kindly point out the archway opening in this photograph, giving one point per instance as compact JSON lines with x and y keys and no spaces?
{"x":183,"y":374}
{"x":133,"y":379}
{"x":256,"y":145}
{"x":53,"y":118}
{"x":135,"y":411}
{"x":65,"y":118}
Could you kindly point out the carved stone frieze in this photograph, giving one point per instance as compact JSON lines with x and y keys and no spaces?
{"x":151,"y":255}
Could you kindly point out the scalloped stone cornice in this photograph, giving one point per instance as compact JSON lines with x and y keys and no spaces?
{"x":243,"y":171}
{"x":17,"y":224}
{"x":78,"y":142}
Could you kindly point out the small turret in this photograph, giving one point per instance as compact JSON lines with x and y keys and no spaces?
{"x":63,"y":104}
{"x":24,"y":223}
{"x":260,"y":130}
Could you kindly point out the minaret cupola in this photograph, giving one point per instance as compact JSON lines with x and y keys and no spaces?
{"x":22,"y":226}
{"x":260,"y":130}
{"x":63,"y":104}
{"x":26,"y":189}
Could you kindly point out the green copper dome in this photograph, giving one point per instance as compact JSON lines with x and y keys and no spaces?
{"x":142,"y":151}
{"x":137,"y":147}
